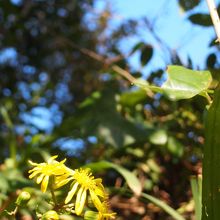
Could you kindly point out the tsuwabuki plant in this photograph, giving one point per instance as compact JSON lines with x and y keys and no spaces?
{"x":84,"y":189}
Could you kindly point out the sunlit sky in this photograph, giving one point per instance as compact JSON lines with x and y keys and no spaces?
{"x":172,"y":27}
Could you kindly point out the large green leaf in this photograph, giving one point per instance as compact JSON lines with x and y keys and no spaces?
{"x":172,"y":212}
{"x":130,"y":178}
{"x":211,"y":161}
{"x":98,"y":116}
{"x":183,"y":83}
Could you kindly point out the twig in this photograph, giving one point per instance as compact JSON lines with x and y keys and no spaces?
{"x":124,"y":73}
{"x":106,"y":61}
{"x":100,"y":58}
{"x":163,"y":45}
{"x":110,"y":62}
{"x":215,"y":17}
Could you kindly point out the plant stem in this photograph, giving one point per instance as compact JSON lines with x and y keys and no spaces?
{"x":12,"y":138}
{"x":215,"y":17}
{"x":12,"y":147}
{"x":53,"y":196}
{"x":124,"y":73}
{"x":211,"y":162}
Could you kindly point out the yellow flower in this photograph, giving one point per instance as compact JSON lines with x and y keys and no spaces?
{"x":84,"y":183}
{"x":104,"y":213}
{"x":44,"y":171}
{"x":50,"y":215}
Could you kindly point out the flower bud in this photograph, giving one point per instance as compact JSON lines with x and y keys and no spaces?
{"x":23,"y":198}
{"x":90,"y":215}
{"x":50,"y":215}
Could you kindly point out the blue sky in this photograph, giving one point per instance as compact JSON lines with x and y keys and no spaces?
{"x":171,"y":25}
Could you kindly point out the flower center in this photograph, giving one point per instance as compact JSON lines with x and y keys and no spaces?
{"x":84,"y":178}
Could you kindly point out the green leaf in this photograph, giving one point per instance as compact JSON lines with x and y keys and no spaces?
{"x":183,"y":83}
{"x":4,"y":184}
{"x":103,"y":106}
{"x":172,"y":212}
{"x":188,"y":4}
{"x":175,"y":147}
{"x":196,"y":186}
{"x":146,"y":54}
{"x":211,"y":61}
{"x":158,"y":137}
{"x":138,"y":46}
{"x":130,"y":178}
{"x":211,"y":161}
{"x":201,"y":19}
{"x":133,"y":98}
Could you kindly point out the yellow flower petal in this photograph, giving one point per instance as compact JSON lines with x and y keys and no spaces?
{"x":34,"y":174}
{"x":39,"y":178}
{"x":70,"y":171}
{"x":80,"y":200}
{"x":61,"y":181}
{"x":104,"y":213}
{"x":51,"y":159}
{"x":71,"y":193}
{"x":100,"y":192}
{"x":96,"y":201}
{"x":32,"y":163}
{"x":44,"y":184}
{"x":63,"y":161}
{"x":58,"y":170}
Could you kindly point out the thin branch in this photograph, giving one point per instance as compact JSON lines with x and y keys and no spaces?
{"x":106,"y":61}
{"x":124,"y":73}
{"x":215,"y":17}
{"x":163,"y":45}
{"x":100,"y":58}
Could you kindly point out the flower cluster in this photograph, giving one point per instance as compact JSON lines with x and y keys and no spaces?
{"x":84,"y":186}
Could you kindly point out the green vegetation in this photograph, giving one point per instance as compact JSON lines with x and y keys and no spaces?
{"x":67,"y":89}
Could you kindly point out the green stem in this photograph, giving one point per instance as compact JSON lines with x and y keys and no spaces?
{"x":211,"y":162}
{"x":53,"y":196}
{"x":13,"y":150}
{"x":8,"y":122}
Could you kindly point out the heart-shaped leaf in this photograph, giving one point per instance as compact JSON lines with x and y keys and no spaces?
{"x":183,"y":83}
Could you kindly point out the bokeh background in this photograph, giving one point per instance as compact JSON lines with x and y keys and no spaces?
{"x":59,"y":95}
